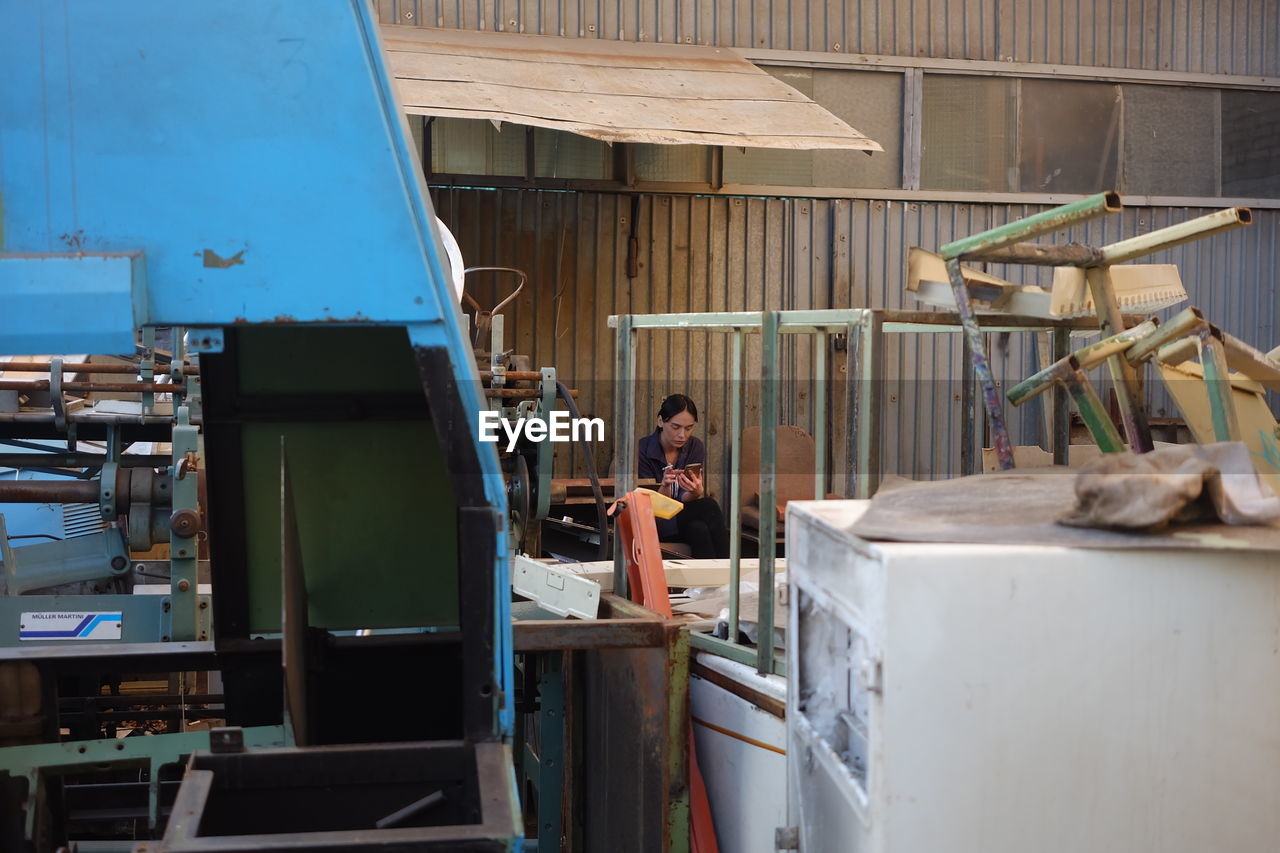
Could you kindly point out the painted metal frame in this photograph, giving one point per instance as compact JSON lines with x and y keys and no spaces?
{"x":1006,"y":244}
{"x":865,"y":329}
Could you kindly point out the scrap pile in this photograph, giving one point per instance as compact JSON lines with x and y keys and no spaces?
{"x":1218,"y":381}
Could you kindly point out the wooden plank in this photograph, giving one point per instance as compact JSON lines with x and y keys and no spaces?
{"x":733,"y":83}
{"x":681,"y":574}
{"x":619,"y":92}
{"x":624,"y":118}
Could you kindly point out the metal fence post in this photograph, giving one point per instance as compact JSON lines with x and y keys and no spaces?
{"x":624,"y":434}
{"x":735,"y":485}
{"x":768,"y":486}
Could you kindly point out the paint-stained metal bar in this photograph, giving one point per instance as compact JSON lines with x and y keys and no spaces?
{"x":1178,"y":326}
{"x":1086,"y":357}
{"x":1222,"y":410}
{"x":1092,"y":412}
{"x":1061,"y":339}
{"x":1069,"y":373}
{"x":1176,"y":235}
{"x":1132,"y":408}
{"x":1035,"y":254}
{"x":624,"y":433}
{"x":999,"y":238}
{"x":735,"y":485}
{"x":968,"y":411}
{"x":768,"y":487}
{"x":978,"y":355}
{"x":1034,"y":226}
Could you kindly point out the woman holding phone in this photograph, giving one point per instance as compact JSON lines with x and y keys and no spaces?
{"x":674,"y":457}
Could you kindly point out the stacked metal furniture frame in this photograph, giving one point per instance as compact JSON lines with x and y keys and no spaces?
{"x":1006,"y":244}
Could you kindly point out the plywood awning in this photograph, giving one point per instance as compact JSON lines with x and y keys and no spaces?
{"x":609,"y":90}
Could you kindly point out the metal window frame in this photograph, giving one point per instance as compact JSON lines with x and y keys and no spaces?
{"x":913,"y":70}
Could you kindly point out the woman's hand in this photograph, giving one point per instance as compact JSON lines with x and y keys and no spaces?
{"x":691,"y":482}
{"x":670,"y":479}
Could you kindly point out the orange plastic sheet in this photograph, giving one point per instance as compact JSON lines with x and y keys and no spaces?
{"x":647,"y":585}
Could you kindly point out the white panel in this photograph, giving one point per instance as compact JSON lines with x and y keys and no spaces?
{"x":1047,"y":699}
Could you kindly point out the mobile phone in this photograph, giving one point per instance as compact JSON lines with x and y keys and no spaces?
{"x":693,"y":468}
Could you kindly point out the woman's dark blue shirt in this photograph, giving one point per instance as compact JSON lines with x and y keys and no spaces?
{"x":653,"y":460}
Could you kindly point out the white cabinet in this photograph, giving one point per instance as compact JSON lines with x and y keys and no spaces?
{"x":1005,"y":699}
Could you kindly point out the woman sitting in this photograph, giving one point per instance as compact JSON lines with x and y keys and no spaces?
{"x":674,"y":457}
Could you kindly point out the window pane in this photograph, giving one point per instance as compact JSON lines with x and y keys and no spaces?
{"x":1070,"y":136}
{"x":1169,"y":140}
{"x":772,"y":166}
{"x":465,"y":146}
{"x":1250,"y":144}
{"x":559,"y":154}
{"x":676,"y":163}
{"x":967,"y":133}
{"x":870,"y":101}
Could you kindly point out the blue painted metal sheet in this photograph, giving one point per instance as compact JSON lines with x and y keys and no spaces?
{"x":93,"y":295}
{"x":252,"y":149}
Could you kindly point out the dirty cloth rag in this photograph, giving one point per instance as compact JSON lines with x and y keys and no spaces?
{"x":1171,"y":485}
{"x":1022,"y":507}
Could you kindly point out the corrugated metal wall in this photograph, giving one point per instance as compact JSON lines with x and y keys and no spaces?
{"x":1209,"y":36}
{"x":727,"y":254}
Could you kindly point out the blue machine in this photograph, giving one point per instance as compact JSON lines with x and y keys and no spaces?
{"x":243,"y":169}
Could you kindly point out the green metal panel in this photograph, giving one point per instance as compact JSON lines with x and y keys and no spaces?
{"x":386,"y":561}
{"x":303,"y":360}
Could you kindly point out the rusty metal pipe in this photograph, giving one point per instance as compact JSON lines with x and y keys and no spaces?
{"x":49,"y":491}
{"x":84,"y":367}
{"x":1033,"y":226}
{"x":43,"y":385}
{"x":1034,"y":254}
{"x":515,"y":375}
{"x":520,"y":393}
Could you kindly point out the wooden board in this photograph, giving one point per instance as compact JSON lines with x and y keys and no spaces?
{"x":619,"y":92}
